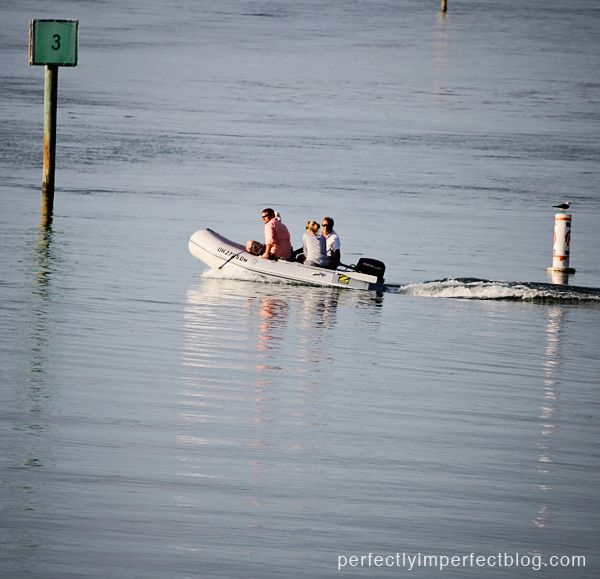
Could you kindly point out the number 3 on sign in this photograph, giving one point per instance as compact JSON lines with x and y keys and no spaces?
{"x":53,"y":42}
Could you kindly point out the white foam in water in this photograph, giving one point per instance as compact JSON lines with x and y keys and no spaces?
{"x":452,"y":288}
{"x":497,"y":290}
{"x":474,"y":289}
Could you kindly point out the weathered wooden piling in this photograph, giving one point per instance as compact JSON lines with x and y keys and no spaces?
{"x":49,"y":164}
{"x":52,"y":43}
{"x":444,"y":6}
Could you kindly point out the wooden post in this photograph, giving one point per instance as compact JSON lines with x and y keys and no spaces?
{"x":444,"y":6}
{"x":52,"y":43}
{"x":48,"y":172}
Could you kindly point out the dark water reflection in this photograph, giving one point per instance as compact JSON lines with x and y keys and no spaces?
{"x":45,"y":257}
{"x":37,"y":307}
{"x":27,"y":392}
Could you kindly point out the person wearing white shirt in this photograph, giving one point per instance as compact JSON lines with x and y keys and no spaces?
{"x":332,"y":240}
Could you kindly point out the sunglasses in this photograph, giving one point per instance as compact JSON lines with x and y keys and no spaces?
{"x":264,"y":216}
{"x":325,"y":225}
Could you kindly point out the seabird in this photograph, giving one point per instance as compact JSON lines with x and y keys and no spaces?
{"x":563,"y":206}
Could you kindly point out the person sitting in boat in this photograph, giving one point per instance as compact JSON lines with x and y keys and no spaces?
{"x":277,"y":243}
{"x":314,"y":246}
{"x":332,"y":241}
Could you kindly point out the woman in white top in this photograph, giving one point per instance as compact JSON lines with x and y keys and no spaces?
{"x":314,"y":246}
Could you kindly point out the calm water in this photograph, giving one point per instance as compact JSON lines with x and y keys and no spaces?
{"x":157,"y":420}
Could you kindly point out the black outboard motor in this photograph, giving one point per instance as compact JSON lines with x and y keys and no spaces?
{"x":371,"y":267}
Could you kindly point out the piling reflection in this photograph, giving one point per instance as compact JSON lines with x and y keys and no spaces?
{"x":547,"y":412}
{"x":558,"y":277}
{"x":43,"y":270}
{"x":44,"y":257}
{"x":27,"y":445}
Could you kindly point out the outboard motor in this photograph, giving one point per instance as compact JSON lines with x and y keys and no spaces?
{"x":371,"y":267}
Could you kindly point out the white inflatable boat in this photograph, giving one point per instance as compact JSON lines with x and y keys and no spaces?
{"x":219,"y":252}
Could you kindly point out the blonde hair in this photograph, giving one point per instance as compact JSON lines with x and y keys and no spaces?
{"x":312,"y":226}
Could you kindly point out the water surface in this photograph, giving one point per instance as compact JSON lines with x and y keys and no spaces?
{"x":160,"y":421}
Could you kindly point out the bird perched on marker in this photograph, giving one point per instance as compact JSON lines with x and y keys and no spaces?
{"x":564,"y":206}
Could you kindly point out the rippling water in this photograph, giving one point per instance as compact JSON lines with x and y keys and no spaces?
{"x":158,"y":420}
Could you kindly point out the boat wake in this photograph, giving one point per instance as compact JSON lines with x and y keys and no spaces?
{"x":481,"y":289}
{"x":457,"y":288}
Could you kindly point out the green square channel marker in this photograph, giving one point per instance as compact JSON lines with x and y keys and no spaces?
{"x":53,"y":42}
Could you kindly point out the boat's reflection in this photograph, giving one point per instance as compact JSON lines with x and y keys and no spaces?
{"x":258,"y":360}
{"x":272,"y":319}
{"x":223,"y":315}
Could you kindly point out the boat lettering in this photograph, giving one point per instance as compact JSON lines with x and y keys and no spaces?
{"x":229,"y":253}
{"x":343,"y":279}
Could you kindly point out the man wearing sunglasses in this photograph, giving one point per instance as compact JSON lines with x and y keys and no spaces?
{"x":277,"y":243}
{"x":333,"y":243}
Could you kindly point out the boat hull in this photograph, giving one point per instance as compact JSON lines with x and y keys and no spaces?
{"x":218,"y":252}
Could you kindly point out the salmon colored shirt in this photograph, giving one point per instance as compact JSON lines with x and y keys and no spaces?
{"x":277,"y":234}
